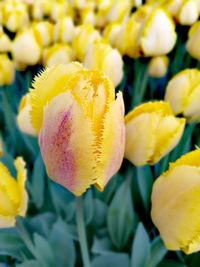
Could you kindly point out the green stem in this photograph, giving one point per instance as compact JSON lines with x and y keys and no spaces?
{"x":82,"y":232}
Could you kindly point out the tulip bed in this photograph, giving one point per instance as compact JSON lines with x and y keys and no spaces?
{"x":100,"y":158}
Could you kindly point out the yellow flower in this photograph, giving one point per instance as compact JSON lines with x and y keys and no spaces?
{"x":183,"y":94}
{"x":61,"y":9}
{"x":43,"y":32}
{"x":111,"y":33}
{"x":64,"y":30}
{"x":102,"y":56}
{"x":57,"y":53}
{"x":158,"y":66}
{"x":88,"y":16}
{"x":13,"y":196}
{"x":151,"y":132}
{"x":26,"y":49}
{"x":193,"y":43}
{"x":41,"y":8}
{"x":119,"y":11}
{"x":7,"y":70}
{"x":75,"y":112}
{"x":175,"y":204}
{"x":23,"y":118}
{"x":5,"y":42}
{"x":84,"y":36}
{"x":188,"y":13}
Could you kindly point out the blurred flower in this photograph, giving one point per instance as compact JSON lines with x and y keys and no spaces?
{"x":111,"y":33}
{"x":70,"y":104}
{"x":57,"y":53}
{"x":41,"y":8}
{"x":119,"y":11}
{"x":188,"y":12}
{"x":88,"y":16}
{"x":84,"y":36}
{"x":164,"y":132}
{"x":64,"y":30}
{"x":5,"y":42}
{"x":15,"y":15}
{"x":193,"y":43}
{"x":183,"y":94}
{"x":61,"y":9}
{"x":158,"y":66}
{"x":175,"y":204}
{"x":23,"y":118}
{"x":7,"y":71}
{"x":43,"y":32}
{"x":14,"y":198}
{"x":26,"y":49}
{"x":101,"y":56}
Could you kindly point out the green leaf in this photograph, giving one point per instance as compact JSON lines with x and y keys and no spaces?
{"x":44,"y":251}
{"x":171,"y":263}
{"x":62,"y":245}
{"x":114,"y":259}
{"x":29,"y":263}
{"x":140,"y":248}
{"x":38,"y":182}
{"x":145,"y":183}
{"x":158,"y":252}
{"x":102,"y":246}
{"x":88,"y":207}
{"x":121,"y":215}
{"x":100,"y":213}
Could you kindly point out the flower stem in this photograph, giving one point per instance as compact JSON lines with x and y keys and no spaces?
{"x":82,"y":232}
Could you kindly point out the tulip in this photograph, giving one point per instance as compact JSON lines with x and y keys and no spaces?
{"x":64,"y":30}
{"x":119,"y":11}
{"x":70,"y":104}
{"x":102,"y":56}
{"x":14,"y":198}
{"x":60,"y":9}
{"x":5,"y":42}
{"x":26,"y":49}
{"x":23,"y":117}
{"x":84,"y":36}
{"x":183,"y":94}
{"x":164,"y":132}
{"x":111,"y":33}
{"x":88,"y":16}
{"x":43,"y":32}
{"x":193,"y":43}
{"x":175,"y":204}
{"x":188,"y":13}
{"x":57,"y":53}
{"x":158,"y":66}
{"x":7,"y":71}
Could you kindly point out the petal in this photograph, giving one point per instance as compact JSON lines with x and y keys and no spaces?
{"x":7,"y":221}
{"x":112,"y":144}
{"x":176,"y":208}
{"x":67,"y":135}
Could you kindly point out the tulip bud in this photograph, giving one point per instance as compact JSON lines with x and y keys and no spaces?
{"x":43,"y":32}
{"x":7,"y":71}
{"x":64,"y":30}
{"x":102,"y":56}
{"x":84,"y":36}
{"x":193,"y":43}
{"x":14,"y":198}
{"x":158,"y":66}
{"x":119,"y":11}
{"x":183,"y":94}
{"x":26,"y":49}
{"x":23,"y":118}
{"x":111,"y":33}
{"x":188,"y":12}
{"x":61,"y":9}
{"x":70,"y":104}
{"x":175,"y":206}
{"x":88,"y":16}
{"x":164,"y":132}
{"x":57,"y":54}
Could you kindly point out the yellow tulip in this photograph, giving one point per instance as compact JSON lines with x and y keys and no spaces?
{"x":26,"y":49}
{"x":175,"y":204}
{"x":183,"y":94}
{"x":88,"y":16}
{"x":57,"y":54}
{"x":75,"y":112}
{"x":23,"y":117}
{"x":111,"y":33}
{"x":102,"y":56}
{"x":64,"y":30}
{"x":158,"y":66}
{"x":7,"y":70}
{"x":164,"y":132}
{"x":61,"y":9}
{"x":14,"y":198}
{"x":193,"y":43}
{"x":84,"y":36}
{"x":188,"y":13}
{"x":43,"y":32}
{"x":5,"y":42}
